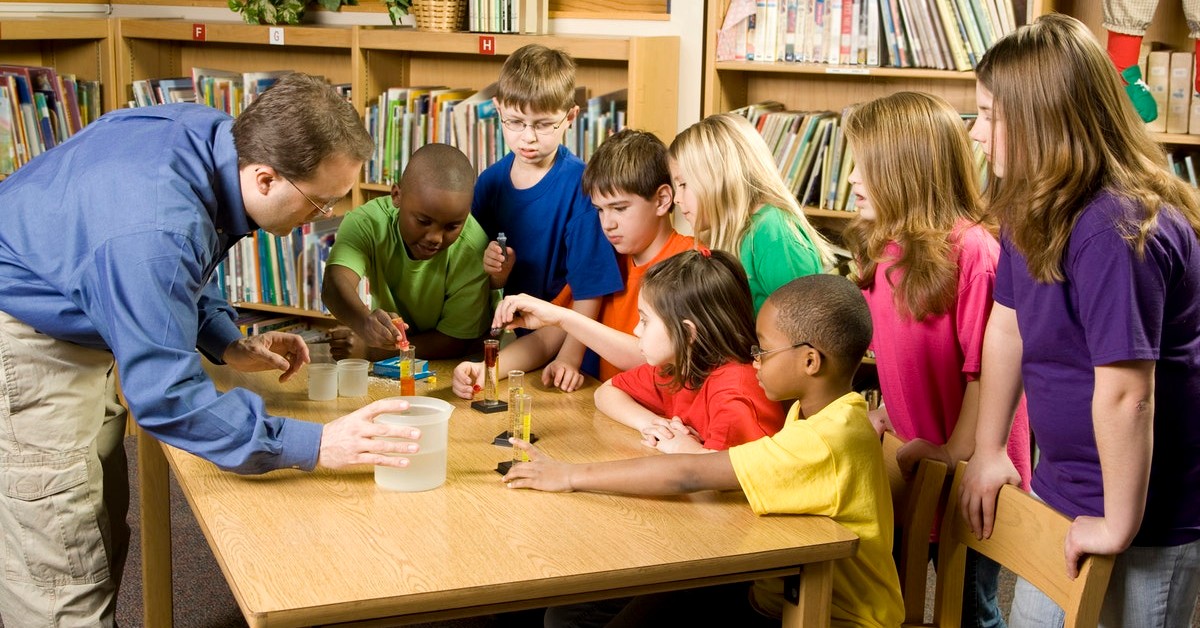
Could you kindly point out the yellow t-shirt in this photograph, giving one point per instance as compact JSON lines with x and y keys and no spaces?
{"x":830,"y":464}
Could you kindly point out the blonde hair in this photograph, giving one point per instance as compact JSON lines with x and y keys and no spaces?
{"x":729,"y":168}
{"x":537,"y":79}
{"x":917,"y":208}
{"x":1070,"y":132}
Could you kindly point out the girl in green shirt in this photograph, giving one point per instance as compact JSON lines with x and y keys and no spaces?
{"x":728,"y":188}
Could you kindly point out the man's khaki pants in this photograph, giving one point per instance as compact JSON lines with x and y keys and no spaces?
{"x":64,"y":488}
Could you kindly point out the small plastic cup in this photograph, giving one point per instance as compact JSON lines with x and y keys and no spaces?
{"x":352,"y":377}
{"x":322,"y":381}
{"x":427,"y":468}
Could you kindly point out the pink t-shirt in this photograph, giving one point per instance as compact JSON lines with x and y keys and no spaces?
{"x":924,"y":366}
{"x":729,"y":409}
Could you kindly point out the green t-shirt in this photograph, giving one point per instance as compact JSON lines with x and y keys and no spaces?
{"x":772,"y":255}
{"x":448,"y":292}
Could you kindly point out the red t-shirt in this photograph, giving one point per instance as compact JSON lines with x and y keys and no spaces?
{"x":729,"y":409}
{"x":619,"y":310}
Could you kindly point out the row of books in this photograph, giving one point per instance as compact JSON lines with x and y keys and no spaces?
{"x":1171,"y":78}
{"x":1183,"y":164}
{"x":285,"y":271}
{"x":940,"y":34}
{"x":811,"y":152}
{"x":530,"y":17}
{"x":403,"y":119}
{"x":39,"y":109}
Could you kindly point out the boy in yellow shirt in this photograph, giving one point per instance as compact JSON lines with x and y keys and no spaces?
{"x":825,"y":461}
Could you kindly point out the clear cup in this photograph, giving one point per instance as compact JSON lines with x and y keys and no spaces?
{"x":322,"y":381}
{"x":427,"y":468}
{"x":352,"y":377}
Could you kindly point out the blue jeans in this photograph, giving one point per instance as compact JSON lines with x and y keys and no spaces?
{"x":1153,"y":587}
{"x":980,"y":609}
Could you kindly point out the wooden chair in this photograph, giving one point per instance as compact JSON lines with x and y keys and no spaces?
{"x":1027,"y":538}
{"x":915,"y":503}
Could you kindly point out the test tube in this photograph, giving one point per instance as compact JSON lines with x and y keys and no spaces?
{"x":408,"y":385}
{"x":491,"y":370}
{"x":516,"y":386}
{"x":524,"y":403}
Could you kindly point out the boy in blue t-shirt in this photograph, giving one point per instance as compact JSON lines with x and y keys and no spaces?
{"x":534,"y":195}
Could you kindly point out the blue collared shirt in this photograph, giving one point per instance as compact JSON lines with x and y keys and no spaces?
{"x":109,"y":241}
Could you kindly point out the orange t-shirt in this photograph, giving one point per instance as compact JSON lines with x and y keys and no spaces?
{"x":619,"y":309}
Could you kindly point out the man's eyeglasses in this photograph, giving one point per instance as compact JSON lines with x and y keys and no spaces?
{"x":544,"y":127}
{"x":757,"y":352}
{"x":326,"y":209}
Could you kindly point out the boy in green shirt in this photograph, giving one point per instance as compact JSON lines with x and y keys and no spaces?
{"x":419,"y":250}
{"x":826,"y":460}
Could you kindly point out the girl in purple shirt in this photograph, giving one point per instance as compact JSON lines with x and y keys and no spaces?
{"x":1097,"y":317}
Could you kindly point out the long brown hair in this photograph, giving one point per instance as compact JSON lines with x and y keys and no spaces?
{"x":1070,"y":132}
{"x":917,"y":206}
{"x":708,"y":288}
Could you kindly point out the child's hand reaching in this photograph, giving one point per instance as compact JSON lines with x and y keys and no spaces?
{"x":541,"y":472}
{"x":466,"y":377}
{"x":522,"y":310}
{"x":672,"y":437}
{"x":379,"y":330}
{"x":498,"y":263}
{"x":563,"y":376}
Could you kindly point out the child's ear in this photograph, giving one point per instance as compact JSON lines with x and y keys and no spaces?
{"x":812,"y":360}
{"x":664,"y":199}
{"x":691,"y":330}
{"x":396,"y":195}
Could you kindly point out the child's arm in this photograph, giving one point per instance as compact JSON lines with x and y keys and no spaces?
{"x":340,"y":295}
{"x":623,"y":409}
{"x":526,"y":353}
{"x":960,"y":445}
{"x":619,"y":348}
{"x":651,"y":475}
{"x":563,"y":372}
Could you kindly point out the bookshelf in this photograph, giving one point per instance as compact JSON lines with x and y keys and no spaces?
{"x":815,"y":87}
{"x":80,"y":46}
{"x":647,"y":66}
{"x":371,"y":59}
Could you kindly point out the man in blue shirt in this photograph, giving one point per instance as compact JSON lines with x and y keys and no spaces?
{"x":107,"y":245}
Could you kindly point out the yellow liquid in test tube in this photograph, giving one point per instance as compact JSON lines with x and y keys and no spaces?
{"x":523,"y":421}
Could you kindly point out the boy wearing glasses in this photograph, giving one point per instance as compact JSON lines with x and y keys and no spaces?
{"x":535,"y":196}
{"x":419,"y":250}
{"x":825,"y":461}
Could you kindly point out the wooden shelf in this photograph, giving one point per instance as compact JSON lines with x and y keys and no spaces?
{"x":238,"y":33}
{"x":844,"y":70}
{"x":1177,"y":139}
{"x":833,"y":214}
{"x":283,"y":309}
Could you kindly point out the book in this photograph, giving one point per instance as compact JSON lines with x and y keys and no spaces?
{"x":1179,"y":91}
{"x":1157,"y":79}
{"x":8,"y":133}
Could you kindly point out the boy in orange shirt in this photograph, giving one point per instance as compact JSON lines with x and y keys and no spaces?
{"x":629,"y":181}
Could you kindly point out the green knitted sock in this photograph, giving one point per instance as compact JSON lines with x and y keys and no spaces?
{"x":1139,"y":93}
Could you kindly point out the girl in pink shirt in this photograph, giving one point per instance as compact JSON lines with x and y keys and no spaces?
{"x":927,"y":258}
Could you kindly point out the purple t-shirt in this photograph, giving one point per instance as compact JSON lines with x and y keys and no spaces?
{"x":1113,"y":306}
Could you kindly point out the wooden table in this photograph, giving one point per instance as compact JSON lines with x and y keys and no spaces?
{"x":328,"y":547}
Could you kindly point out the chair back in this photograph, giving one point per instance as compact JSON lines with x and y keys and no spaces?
{"x":1028,"y":538}
{"x":915,"y":502}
